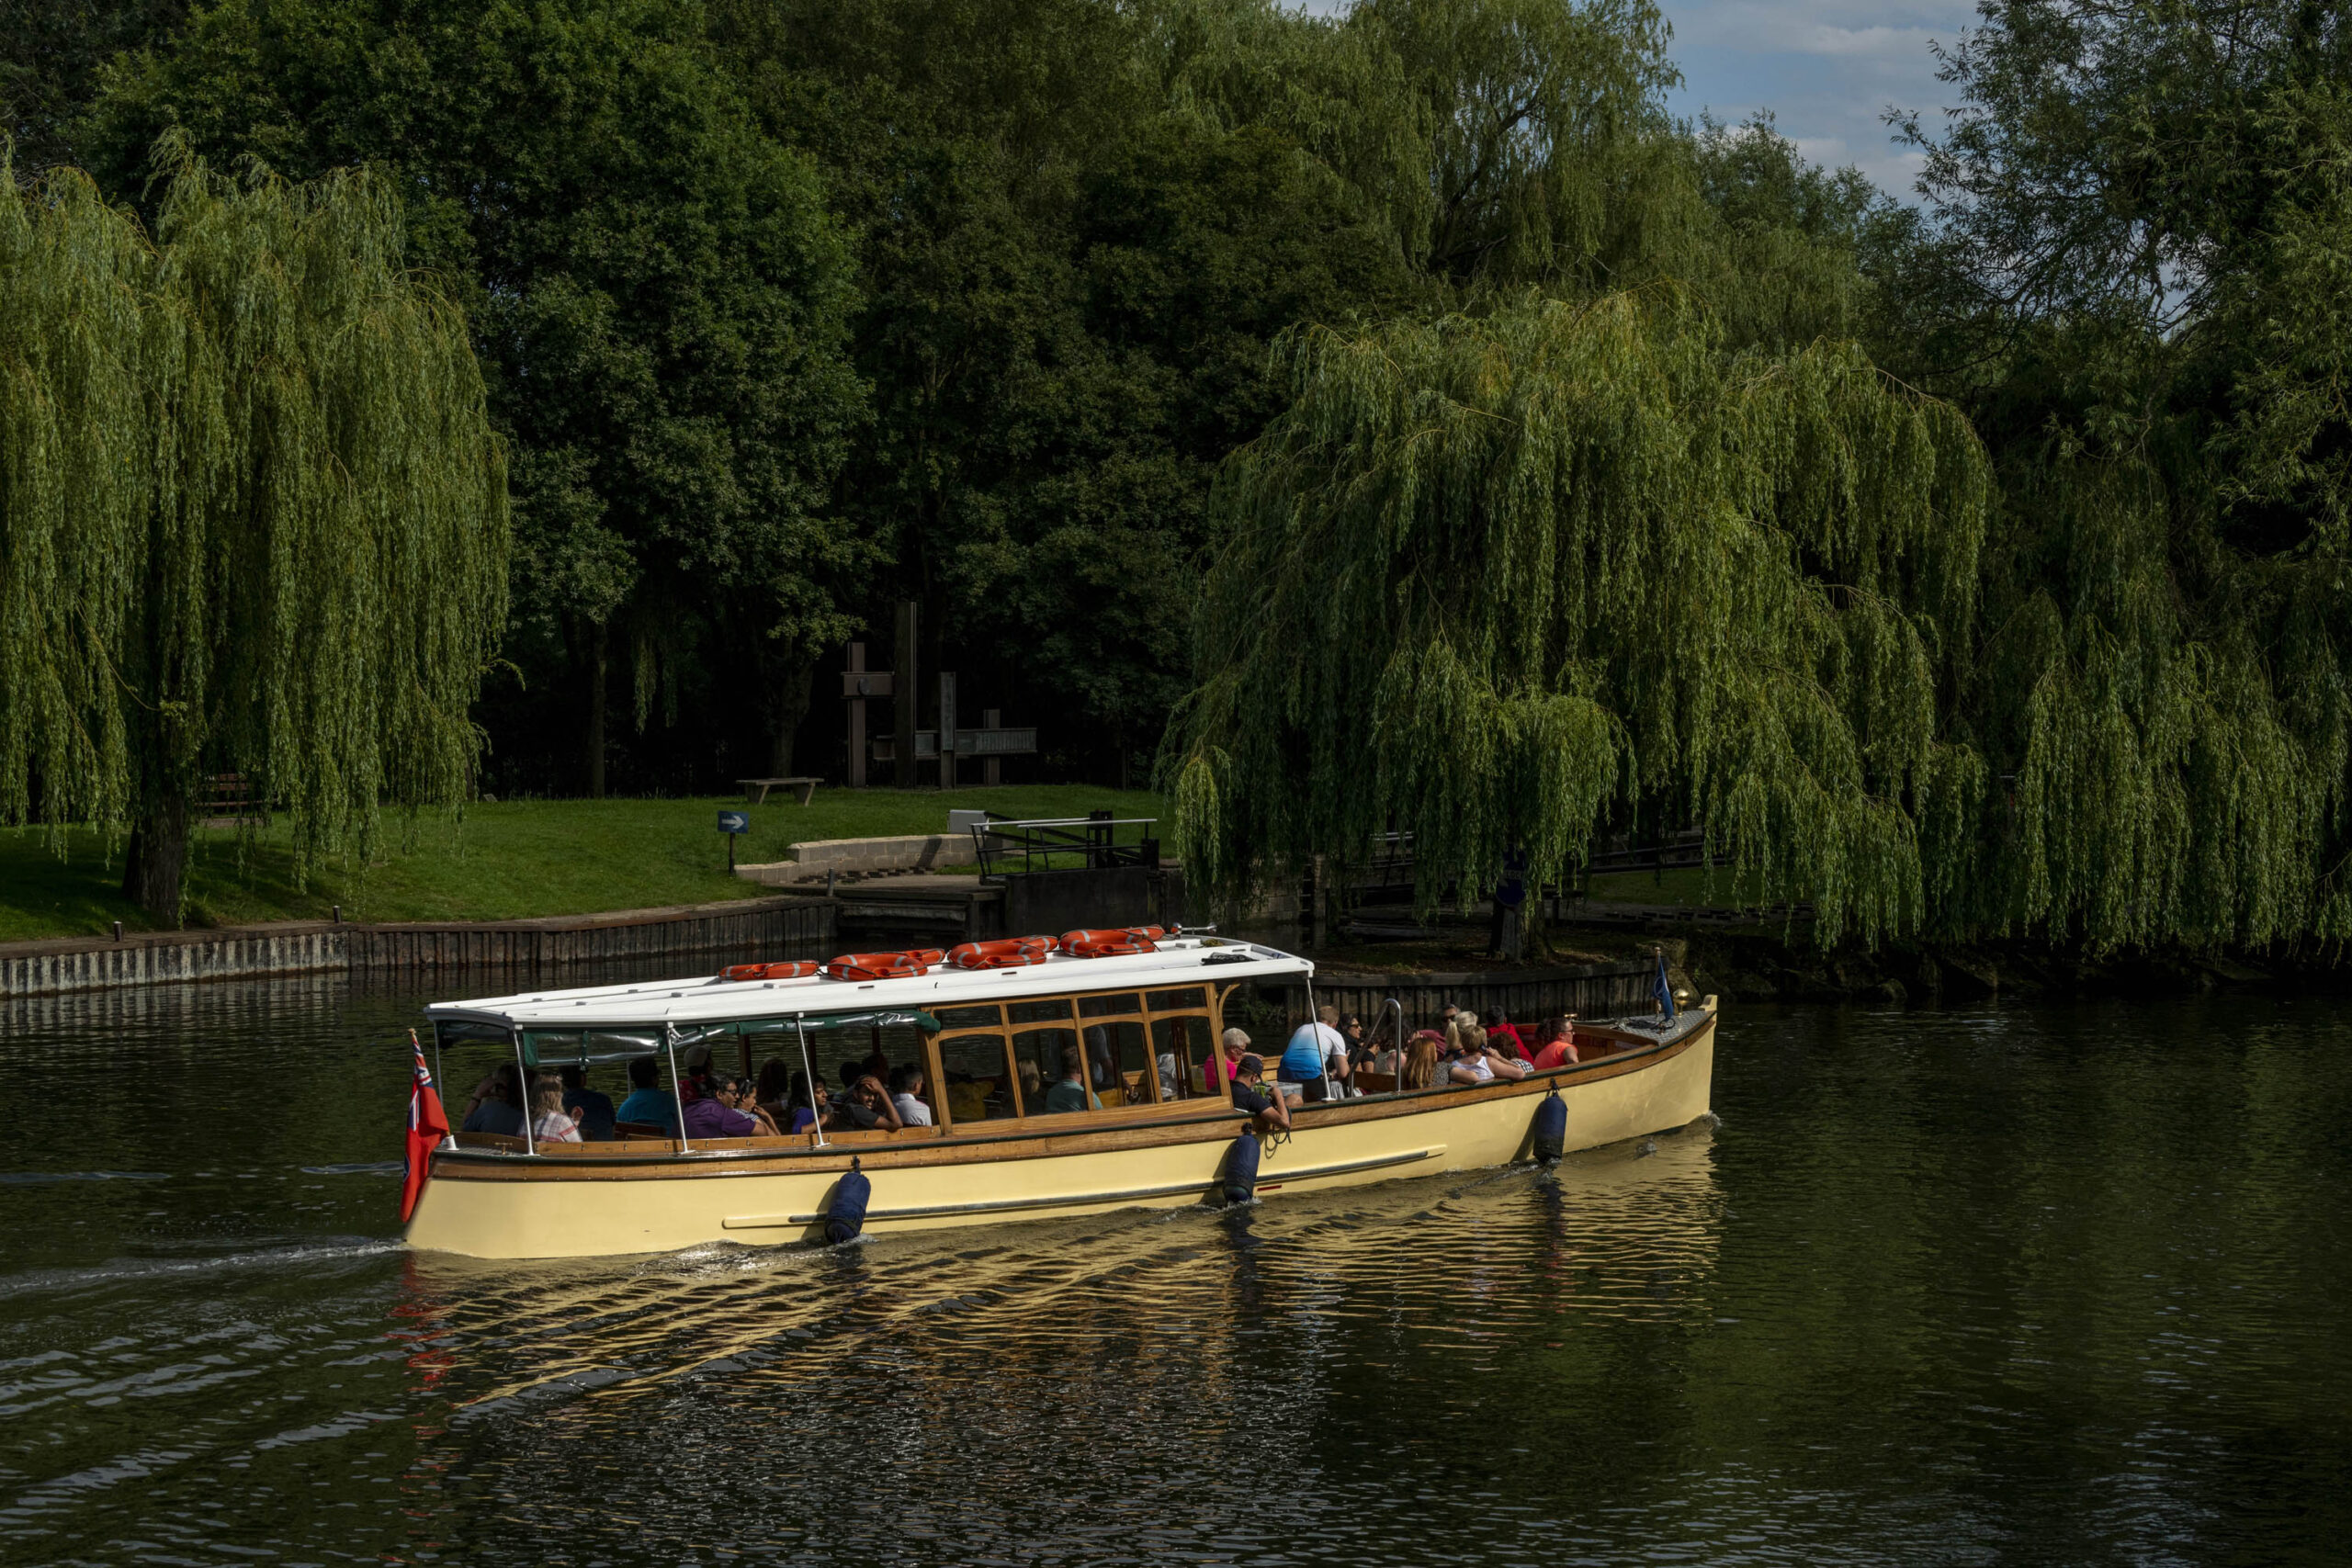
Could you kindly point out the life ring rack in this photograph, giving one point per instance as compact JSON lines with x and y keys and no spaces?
{"x":882,"y":965}
{"x":738,"y":973}
{"x":1111,"y":943}
{"x":1002,"y":953}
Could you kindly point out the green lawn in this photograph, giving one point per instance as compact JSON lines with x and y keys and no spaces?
{"x":544,"y":857}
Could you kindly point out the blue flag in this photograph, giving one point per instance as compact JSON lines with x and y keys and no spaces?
{"x":1665,"y":991}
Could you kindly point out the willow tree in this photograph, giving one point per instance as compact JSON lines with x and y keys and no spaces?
{"x":1504,"y":581}
{"x":253,"y":517}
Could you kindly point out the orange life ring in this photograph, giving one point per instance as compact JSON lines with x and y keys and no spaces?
{"x":1004,"y":953}
{"x":1105,"y":943}
{"x":736,"y":974}
{"x":881,"y":966}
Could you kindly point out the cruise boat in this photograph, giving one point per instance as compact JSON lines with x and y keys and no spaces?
{"x":991,"y":1027}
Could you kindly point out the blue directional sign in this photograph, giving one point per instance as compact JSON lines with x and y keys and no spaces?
{"x":734,"y":821}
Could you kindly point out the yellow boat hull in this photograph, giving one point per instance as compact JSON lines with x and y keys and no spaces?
{"x":568,"y":1206}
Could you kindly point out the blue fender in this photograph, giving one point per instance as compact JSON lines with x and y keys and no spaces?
{"x":845,"y":1215}
{"x":1241,"y":1170}
{"x":1551,"y":1134}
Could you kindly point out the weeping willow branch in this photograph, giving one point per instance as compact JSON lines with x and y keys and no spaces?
{"x":252,"y":516}
{"x":1502,"y":581}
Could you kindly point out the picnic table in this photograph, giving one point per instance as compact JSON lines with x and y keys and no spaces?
{"x":756,"y":790}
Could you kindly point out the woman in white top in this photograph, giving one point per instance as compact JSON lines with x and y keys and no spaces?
{"x":1476,"y":1062}
{"x":550,"y":1122}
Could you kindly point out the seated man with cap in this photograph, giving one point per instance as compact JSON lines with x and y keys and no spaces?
{"x":1267,"y":1111}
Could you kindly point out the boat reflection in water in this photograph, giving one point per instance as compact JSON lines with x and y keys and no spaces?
{"x":1189,"y":1310}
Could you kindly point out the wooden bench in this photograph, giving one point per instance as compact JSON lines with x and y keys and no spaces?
{"x":756,"y":790}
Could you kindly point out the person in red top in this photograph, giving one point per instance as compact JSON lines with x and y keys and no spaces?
{"x":1503,"y":1037}
{"x":1559,"y":1044}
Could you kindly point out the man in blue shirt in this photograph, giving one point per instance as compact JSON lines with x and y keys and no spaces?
{"x":1304,"y":1059}
{"x":647,"y":1105}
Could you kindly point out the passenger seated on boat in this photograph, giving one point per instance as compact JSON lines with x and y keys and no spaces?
{"x":1503,"y":1036}
{"x":806,"y":1112}
{"x":721,"y":1106}
{"x":1474,"y":1061}
{"x":550,"y":1122}
{"x":1267,"y":1111}
{"x":1032,"y":1087}
{"x":1316,"y":1055}
{"x":906,"y":1095}
{"x":1421,"y":1059}
{"x":1559,"y":1043}
{"x":1217,"y":1072}
{"x":1071,"y":1091}
{"x":1069,"y":1094}
{"x":592,"y":1111}
{"x":647,"y":1105}
{"x":773,"y":1093}
{"x":497,"y":1104}
{"x":866,"y":1107}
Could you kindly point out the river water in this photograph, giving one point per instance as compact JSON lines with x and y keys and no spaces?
{"x":2051,"y":1284}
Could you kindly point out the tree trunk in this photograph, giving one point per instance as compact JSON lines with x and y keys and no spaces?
{"x":793,"y":690}
{"x":157,"y":861}
{"x":599,"y":660}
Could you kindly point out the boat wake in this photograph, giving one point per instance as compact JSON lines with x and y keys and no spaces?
{"x":136,"y":1269}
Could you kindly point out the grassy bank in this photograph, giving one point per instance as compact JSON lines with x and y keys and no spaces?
{"x":503,"y":861}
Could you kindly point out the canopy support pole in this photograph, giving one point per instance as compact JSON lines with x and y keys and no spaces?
{"x":808,"y":1070}
{"x":1315,"y":1032}
{"x":523,"y":1086}
{"x":677,"y":1093}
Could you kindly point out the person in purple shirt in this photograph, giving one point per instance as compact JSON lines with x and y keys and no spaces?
{"x":722,"y":1106}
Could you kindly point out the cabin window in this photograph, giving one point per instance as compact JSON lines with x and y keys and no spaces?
{"x":953,"y":1018}
{"x":841,"y":1054}
{"x":1055,"y":1011}
{"x":1192,"y":998}
{"x":1039,"y":1055}
{"x":979,"y":1077}
{"x":1117,"y":1064}
{"x":1109,"y":1007}
{"x":1179,"y":1047}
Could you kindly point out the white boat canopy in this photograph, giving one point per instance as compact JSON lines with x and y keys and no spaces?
{"x":710,"y":1001}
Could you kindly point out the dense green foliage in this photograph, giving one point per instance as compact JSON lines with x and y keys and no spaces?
{"x":2145,"y":239}
{"x":1494,"y":580}
{"x":1486,"y":454}
{"x":659,"y":294}
{"x":252,"y":514}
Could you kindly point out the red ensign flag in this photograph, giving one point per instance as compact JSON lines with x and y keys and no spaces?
{"x":427,"y":1127}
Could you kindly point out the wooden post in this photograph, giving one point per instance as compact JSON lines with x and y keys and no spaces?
{"x":856,"y":720}
{"x":946,"y":730}
{"x":991,"y":769}
{"x":904,"y":688}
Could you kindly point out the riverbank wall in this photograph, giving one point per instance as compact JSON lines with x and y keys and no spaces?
{"x":752,"y":928}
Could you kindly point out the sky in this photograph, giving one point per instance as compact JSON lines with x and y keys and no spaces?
{"x":1827,"y":69}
